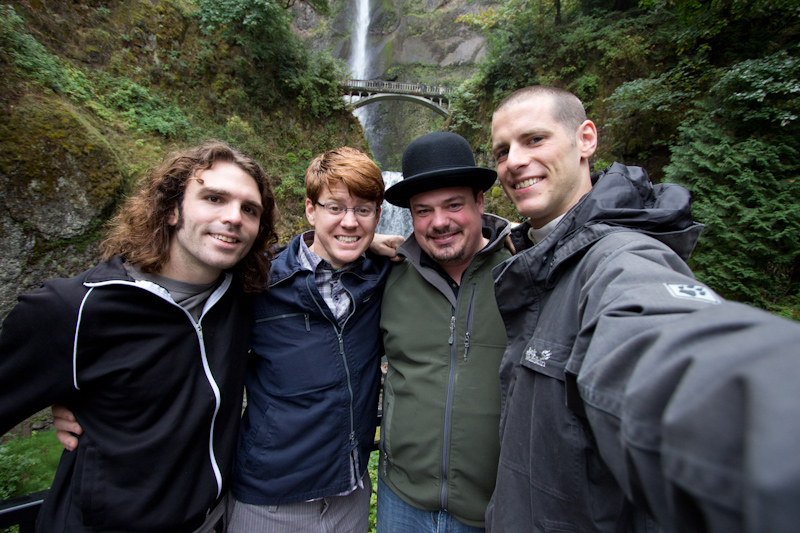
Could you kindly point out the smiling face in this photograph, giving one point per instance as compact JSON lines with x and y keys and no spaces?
{"x":216,"y":225}
{"x":340,"y":239}
{"x":447,"y":225}
{"x":541,"y":164}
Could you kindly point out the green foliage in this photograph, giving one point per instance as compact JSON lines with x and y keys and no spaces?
{"x":34,"y":60}
{"x":28,"y":464}
{"x":317,"y":85}
{"x":584,"y":54}
{"x":282,"y":64}
{"x":293,"y":183}
{"x":739,"y":154}
{"x":657,"y":103}
{"x":733,"y":26}
{"x":108,"y":97}
{"x":464,"y":103}
{"x":374,"y":459}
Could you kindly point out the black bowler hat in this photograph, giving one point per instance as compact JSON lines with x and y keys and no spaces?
{"x":436,"y":161}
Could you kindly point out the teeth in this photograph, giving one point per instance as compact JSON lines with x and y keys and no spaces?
{"x":347,"y":239}
{"x":223,"y":238}
{"x":527,"y":183}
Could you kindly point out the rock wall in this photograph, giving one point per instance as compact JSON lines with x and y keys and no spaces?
{"x":59,"y":178}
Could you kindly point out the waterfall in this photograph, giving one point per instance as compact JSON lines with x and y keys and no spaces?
{"x":394,"y":220}
{"x":359,"y":56}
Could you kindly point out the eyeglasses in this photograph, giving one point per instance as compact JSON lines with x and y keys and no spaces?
{"x":363,"y":211}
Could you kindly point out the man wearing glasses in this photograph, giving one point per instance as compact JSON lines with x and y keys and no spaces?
{"x":312,"y":385}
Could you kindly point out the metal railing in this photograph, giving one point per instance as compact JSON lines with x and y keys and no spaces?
{"x":420,"y":89}
{"x":21,"y":511}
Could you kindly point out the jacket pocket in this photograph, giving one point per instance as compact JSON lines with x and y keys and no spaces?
{"x":270,"y":319}
{"x":256,"y":439}
{"x":386,"y":423}
{"x":87,"y":497}
{"x":539,"y":427}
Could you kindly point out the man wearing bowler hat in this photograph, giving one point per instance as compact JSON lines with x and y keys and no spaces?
{"x":444,"y":339}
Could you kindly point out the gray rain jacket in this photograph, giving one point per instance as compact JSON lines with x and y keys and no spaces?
{"x":631,"y":392}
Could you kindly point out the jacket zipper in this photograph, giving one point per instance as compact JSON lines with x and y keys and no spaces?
{"x":197,"y":326}
{"x":287,"y":315}
{"x":449,"y":404}
{"x":338,"y":331}
{"x":470,"y":311}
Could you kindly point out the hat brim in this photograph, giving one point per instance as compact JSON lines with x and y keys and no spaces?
{"x":401,"y":192}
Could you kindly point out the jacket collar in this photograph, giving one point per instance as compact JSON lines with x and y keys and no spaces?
{"x":412,"y":251}
{"x":622,"y":199}
{"x":286,"y":265}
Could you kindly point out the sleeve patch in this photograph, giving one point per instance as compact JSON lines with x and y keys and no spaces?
{"x":692,"y":292}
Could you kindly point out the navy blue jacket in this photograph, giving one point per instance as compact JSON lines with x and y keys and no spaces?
{"x":312,"y":386}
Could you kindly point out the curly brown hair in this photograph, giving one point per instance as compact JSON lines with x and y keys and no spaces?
{"x":140,"y":232}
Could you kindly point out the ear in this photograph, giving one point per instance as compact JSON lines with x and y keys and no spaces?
{"x":172,"y":218}
{"x":587,"y":139}
{"x":480,"y":200}
{"x":310,"y":212}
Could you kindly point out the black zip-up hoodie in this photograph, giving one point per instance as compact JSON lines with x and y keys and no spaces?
{"x":157,"y":394}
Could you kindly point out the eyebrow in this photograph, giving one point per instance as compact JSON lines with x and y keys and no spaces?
{"x":223,"y":192}
{"x":453,"y":198}
{"x":540,"y":131}
{"x":341,"y":200}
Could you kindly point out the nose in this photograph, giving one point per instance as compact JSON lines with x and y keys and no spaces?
{"x":440,"y":219}
{"x":515,"y":158}
{"x":232,"y":214}
{"x":349,"y":219}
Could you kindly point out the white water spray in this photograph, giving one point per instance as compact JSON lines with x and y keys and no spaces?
{"x":394,"y":220}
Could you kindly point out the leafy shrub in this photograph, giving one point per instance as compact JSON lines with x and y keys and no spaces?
{"x":739,"y":155}
{"x":282,"y":64}
{"x":28,"y":464}
{"x":34,"y":60}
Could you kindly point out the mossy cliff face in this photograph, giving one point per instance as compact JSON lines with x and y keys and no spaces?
{"x":57,"y":172}
{"x":59,"y":176}
{"x":94,"y":94}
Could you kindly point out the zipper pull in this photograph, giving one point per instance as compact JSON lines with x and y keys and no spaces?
{"x":199,"y":329}
{"x":308,"y":323}
{"x":452,"y":329}
{"x":385,"y":460}
{"x":466,"y":346}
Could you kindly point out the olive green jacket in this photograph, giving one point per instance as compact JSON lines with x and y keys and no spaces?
{"x":441,"y":406}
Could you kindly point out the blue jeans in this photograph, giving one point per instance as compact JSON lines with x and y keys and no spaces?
{"x":396,"y":516}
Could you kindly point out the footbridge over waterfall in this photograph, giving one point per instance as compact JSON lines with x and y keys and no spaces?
{"x":363,"y":92}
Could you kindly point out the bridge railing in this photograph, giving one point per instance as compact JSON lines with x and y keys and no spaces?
{"x":398,"y":87}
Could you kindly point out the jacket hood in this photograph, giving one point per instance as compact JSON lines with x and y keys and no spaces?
{"x":622,"y":199}
{"x":625,"y":196}
{"x":111,"y":270}
{"x":412,"y":251}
